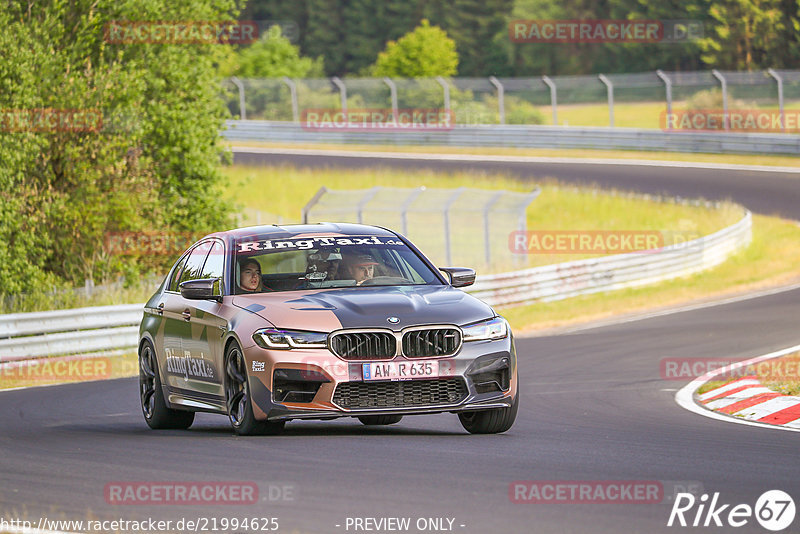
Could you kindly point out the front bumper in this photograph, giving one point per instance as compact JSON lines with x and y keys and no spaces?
{"x":481,"y":376}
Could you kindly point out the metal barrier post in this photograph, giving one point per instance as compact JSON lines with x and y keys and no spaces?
{"x":501,"y":105}
{"x":723,"y":82}
{"x":610,"y":89}
{"x":293,"y":91}
{"x":486,"y":240}
{"x":364,"y":200}
{"x":393,"y":90}
{"x":322,"y":190}
{"x":404,"y":208}
{"x":779,"y":80}
{"x":342,"y":92}
{"x":668,"y":87}
{"x":553,"y":102}
{"x":446,"y":91}
{"x":238,"y":83}
{"x":447,"y":249}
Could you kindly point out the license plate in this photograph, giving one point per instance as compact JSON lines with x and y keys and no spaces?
{"x":401,"y":370}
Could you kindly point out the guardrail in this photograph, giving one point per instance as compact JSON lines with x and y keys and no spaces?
{"x":564,"y":280}
{"x":525,"y":137}
{"x":86,"y":330}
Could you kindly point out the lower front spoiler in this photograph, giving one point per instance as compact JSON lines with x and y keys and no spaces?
{"x":491,"y":404}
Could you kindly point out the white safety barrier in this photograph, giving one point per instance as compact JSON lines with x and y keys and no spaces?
{"x":86,"y":330}
{"x":564,"y":280}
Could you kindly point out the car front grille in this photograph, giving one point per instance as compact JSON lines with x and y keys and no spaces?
{"x":364,"y":345}
{"x":350,"y":395}
{"x":431,"y":342}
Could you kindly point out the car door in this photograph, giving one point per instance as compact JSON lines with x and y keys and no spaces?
{"x":179,"y":368}
{"x":203,"y":345}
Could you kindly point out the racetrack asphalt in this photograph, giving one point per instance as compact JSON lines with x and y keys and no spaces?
{"x":594,"y":408}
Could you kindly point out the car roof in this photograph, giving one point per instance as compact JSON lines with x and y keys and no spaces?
{"x":285,"y":231}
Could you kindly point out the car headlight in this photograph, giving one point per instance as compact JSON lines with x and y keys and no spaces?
{"x":273,"y":338}
{"x":492,"y":329}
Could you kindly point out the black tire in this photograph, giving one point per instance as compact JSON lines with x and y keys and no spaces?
{"x":156,"y":413}
{"x":490,"y":421}
{"x":237,"y":398}
{"x":371,"y":420}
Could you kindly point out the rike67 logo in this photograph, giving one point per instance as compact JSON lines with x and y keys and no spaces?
{"x":774,"y":510}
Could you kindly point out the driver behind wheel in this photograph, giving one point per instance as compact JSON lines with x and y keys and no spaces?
{"x":359,"y":267}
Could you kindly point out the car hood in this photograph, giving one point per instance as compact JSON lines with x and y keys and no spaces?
{"x":366,"y":307}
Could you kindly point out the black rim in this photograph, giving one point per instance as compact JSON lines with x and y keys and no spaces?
{"x":236,"y":386}
{"x":147,"y":381}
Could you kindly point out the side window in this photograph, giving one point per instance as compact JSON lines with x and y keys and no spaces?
{"x":176,"y":274}
{"x":194,"y":264}
{"x":215,"y":265}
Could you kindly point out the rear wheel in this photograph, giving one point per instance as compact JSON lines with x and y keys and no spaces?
{"x":237,"y":397}
{"x":371,"y":420}
{"x":490,"y":421}
{"x":154,"y":408}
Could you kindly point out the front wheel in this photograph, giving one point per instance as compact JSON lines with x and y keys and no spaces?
{"x":237,"y":397}
{"x":492,"y":421}
{"x":154,"y":408}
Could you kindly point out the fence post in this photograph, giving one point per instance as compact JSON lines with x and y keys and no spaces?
{"x":553,"y":102}
{"x":668,"y":87}
{"x":293,"y":91}
{"x":238,"y":83}
{"x":610,"y":89}
{"x":342,"y":92}
{"x":501,"y":105}
{"x":322,"y":190}
{"x":723,"y":82}
{"x":446,"y":92}
{"x":779,"y":80}
{"x":393,"y":90}
{"x":446,"y":207}
{"x":486,"y":239}
{"x":404,"y":208}
{"x":365,"y":200}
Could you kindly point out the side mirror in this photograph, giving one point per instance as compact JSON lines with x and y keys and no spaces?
{"x":459,"y":276}
{"x":201,"y":289}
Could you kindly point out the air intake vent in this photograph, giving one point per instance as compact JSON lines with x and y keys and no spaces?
{"x":408,"y":393}
{"x":431,"y":342}
{"x":364,"y":345}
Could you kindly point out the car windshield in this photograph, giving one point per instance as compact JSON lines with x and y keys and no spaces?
{"x":266,"y":264}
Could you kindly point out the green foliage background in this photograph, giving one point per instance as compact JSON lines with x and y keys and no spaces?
{"x":154,"y":165}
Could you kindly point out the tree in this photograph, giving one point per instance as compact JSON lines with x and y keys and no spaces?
{"x":425,"y":52}
{"x":747,"y":34}
{"x":273,"y":56}
{"x":150,"y":163}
